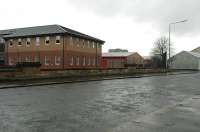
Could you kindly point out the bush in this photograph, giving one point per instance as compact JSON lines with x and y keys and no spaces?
{"x":28,"y":64}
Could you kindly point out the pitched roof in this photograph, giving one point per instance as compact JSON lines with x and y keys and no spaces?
{"x":117,"y":54}
{"x":194,"y":54}
{"x":196,"y":50}
{"x":44,"y":30}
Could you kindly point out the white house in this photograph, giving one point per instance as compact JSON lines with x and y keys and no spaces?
{"x":185,"y":61}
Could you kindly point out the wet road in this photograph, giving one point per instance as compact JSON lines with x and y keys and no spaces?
{"x":152,"y":104}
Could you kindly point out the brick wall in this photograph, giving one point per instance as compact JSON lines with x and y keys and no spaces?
{"x":71,"y":52}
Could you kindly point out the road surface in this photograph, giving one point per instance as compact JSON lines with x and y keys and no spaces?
{"x":151,"y":104}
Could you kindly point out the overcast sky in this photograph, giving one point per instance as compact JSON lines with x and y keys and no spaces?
{"x":128,"y":24}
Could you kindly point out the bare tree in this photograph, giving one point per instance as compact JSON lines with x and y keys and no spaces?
{"x":160,"y":46}
{"x":160,"y":52}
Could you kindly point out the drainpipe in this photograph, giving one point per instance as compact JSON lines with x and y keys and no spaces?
{"x":63,"y":52}
{"x":7,"y":53}
{"x":96,"y":54}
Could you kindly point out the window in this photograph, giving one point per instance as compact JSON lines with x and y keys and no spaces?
{"x":47,"y":40}
{"x":28,"y":42}
{"x":94,"y":61}
{"x":57,"y":39}
{"x":27,"y":59}
{"x":46,"y":61}
{"x":37,"y":41}
{"x":83,"y":43}
{"x":84,"y":61}
{"x":72,"y":61}
{"x":11,"y":43}
{"x":89,"y":61}
{"x":77,"y":42}
{"x":71,"y":40}
{"x":57,"y":60}
{"x":99,"y":46}
{"x":93,"y":45}
{"x":77,"y":61}
{"x":19,"y":42}
{"x":37,"y":59}
{"x":10,"y":61}
{"x":88,"y":44}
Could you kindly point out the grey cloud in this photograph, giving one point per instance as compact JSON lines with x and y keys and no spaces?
{"x":157,"y":12}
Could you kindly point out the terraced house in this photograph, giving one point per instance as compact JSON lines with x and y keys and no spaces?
{"x":54,"y":46}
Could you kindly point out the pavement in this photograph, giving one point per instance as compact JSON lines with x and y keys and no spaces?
{"x":55,"y":81}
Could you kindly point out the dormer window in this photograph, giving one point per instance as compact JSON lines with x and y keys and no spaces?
{"x":47,"y":40}
{"x":19,"y":42}
{"x":28,"y":42}
{"x":57,"y":39}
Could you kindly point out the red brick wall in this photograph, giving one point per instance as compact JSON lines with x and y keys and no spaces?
{"x":15,"y":52}
{"x":113,"y":62}
{"x":51,"y":56}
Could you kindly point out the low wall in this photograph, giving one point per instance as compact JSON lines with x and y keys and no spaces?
{"x":30,"y":73}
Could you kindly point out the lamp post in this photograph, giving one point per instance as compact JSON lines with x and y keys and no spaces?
{"x":173,"y":23}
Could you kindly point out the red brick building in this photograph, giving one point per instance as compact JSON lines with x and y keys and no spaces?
{"x":121,"y":60}
{"x":54,"y":46}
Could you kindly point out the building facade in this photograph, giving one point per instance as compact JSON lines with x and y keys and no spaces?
{"x":54,"y":46}
{"x":185,"y":61}
{"x":122,"y":60}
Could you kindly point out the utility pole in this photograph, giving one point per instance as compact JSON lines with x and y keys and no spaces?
{"x":173,"y":23}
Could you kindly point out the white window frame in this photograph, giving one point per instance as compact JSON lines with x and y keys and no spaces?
{"x":72,"y":61}
{"x":20,"y":41}
{"x":84,"y":61}
{"x":58,"y":38}
{"x":28,"y":40}
{"x":46,"y":61}
{"x":27,"y":59}
{"x":47,"y":38}
{"x":94,"y":61}
{"x":89,"y":63}
{"x":78,"y":61}
{"x":37,"y":41}
{"x":37,"y":58}
{"x":88,"y":44}
{"x":57,"y":60}
{"x":93,"y":45}
{"x":83,"y":43}
{"x":11,"y":41}
{"x":77,"y":42}
{"x":10,"y":61}
{"x":71,"y":41}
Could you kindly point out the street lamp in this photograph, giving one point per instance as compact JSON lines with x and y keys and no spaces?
{"x":173,"y":23}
